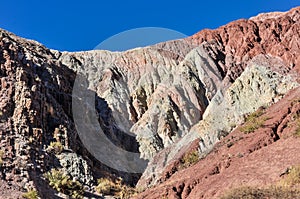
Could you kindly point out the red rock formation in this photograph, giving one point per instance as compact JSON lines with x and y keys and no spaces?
{"x":232,"y":46}
{"x":35,"y":108}
{"x":277,"y":35}
{"x":254,"y":159}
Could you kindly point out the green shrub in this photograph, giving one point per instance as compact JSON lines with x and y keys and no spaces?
{"x":32,"y":194}
{"x":115,"y":188}
{"x":62,"y":183}
{"x":55,"y":147}
{"x":189,"y":159}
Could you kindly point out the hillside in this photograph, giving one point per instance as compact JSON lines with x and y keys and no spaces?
{"x":136,"y":114}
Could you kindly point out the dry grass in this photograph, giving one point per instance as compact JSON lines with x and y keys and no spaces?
{"x":190,"y":159}
{"x":1,"y":156}
{"x":55,"y":147}
{"x":274,"y":192}
{"x":292,"y":178}
{"x":253,"y":122}
{"x":115,"y":188}
{"x":287,"y":188}
{"x":32,"y":194}
{"x":255,"y":115}
{"x":62,"y":183}
{"x":252,"y":126}
{"x":297,"y":131}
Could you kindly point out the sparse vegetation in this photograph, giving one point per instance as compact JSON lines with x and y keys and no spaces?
{"x":107,"y":186}
{"x":297,"y":132}
{"x":1,"y":156}
{"x":239,"y":155}
{"x":189,"y":159}
{"x":287,"y":188}
{"x":252,"y":126}
{"x":62,"y":183}
{"x":274,"y":192}
{"x":253,"y":122}
{"x":292,"y":178}
{"x":127,"y":192}
{"x":243,"y":192}
{"x":115,"y":188}
{"x":255,"y":115}
{"x":295,"y":119}
{"x":32,"y":194}
{"x":55,"y":147}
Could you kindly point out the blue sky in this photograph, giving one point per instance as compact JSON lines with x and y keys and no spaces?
{"x":82,"y":25}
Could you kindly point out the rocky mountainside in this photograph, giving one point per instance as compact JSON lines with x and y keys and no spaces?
{"x":136,"y":114}
{"x":259,"y":158}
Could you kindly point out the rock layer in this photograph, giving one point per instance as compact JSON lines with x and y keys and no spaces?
{"x":233,"y":47}
{"x":255,"y":159}
{"x":156,"y":102}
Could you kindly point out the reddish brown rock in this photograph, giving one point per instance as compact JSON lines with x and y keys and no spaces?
{"x":233,"y":47}
{"x":277,"y":34}
{"x":254,"y":159}
{"x":35,"y":108}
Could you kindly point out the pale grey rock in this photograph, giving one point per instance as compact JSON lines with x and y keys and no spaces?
{"x":153,"y":92}
{"x":261,"y":84}
{"x":258,"y":86}
{"x":76,"y":167}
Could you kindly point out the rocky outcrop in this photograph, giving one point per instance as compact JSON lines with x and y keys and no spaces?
{"x":231,"y":48}
{"x":35,"y":110}
{"x":274,"y":34}
{"x":196,"y":67}
{"x":258,"y":86}
{"x":151,"y":94}
{"x":151,"y":104}
{"x":241,"y":159}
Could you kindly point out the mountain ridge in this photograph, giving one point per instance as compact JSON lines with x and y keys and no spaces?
{"x":164,"y":94}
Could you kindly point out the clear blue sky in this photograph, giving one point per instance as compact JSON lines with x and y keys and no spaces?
{"x":81,"y":25}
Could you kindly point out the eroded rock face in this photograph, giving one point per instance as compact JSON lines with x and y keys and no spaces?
{"x":258,"y":86}
{"x":154,"y":101}
{"x":233,"y":47}
{"x":255,"y":159}
{"x":35,"y":110}
{"x":274,"y":34}
{"x":150,"y":93}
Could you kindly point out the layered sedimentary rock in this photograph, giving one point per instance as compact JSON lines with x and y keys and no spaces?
{"x":258,"y":86}
{"x":256,"y":159}
{"x":236,"y":46}
{"x":154,"y":102}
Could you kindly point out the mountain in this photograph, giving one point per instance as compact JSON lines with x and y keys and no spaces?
{"x":240,"y":160}
{"x":170,"y":119}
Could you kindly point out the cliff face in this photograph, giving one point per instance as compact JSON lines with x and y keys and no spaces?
{"x":35,"y":110}
{"x":155,"y":103}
